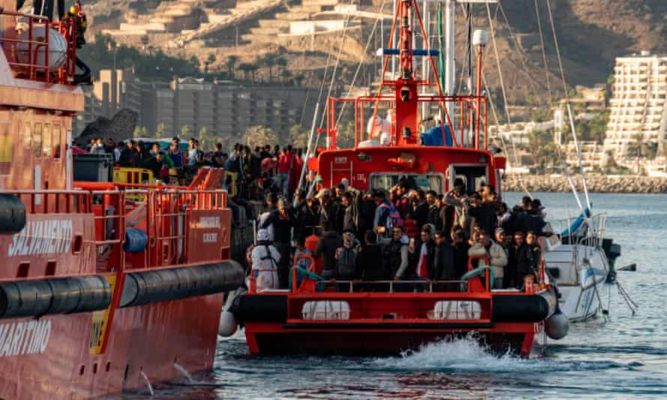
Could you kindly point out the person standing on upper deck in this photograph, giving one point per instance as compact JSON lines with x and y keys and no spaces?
{"x":285,"y":165}
{"x":386,"y":215}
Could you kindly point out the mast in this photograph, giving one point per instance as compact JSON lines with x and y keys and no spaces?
{"x":450,"y":33}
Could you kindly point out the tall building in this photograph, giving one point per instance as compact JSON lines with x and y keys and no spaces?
{"x":638,"y":104}
{"x":222,"y":108}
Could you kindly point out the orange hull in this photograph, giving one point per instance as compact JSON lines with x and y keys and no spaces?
{"x":148,"y":339}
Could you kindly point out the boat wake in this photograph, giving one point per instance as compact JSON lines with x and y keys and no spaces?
{"x":468,"y":355}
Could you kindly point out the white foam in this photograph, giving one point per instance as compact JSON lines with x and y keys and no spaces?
{"x":461,"y":354}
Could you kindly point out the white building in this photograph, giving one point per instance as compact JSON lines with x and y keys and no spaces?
{"x":638,"y":105}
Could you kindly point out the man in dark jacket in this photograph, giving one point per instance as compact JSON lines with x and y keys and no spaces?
{"x":419,"y":209}
{"x":518,"y":264}
{"x":443,"y":261}
{"x":326,"y":248}
{"x":347,"y":203}
{"x":307,"y":218}
{"x":461,"y":248}
{"x":369,"y":259}
{"x":484,"y":213}
{"x":433,"y":216}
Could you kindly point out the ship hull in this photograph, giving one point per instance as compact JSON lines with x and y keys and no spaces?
{"x":271,"y":340}
{"x":147,"y":340}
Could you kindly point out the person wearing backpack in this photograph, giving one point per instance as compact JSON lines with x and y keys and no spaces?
{"x":386,"y":215}
{"x":265,"y":258}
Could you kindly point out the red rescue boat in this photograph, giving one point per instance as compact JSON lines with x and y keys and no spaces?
{"x":359,"y":318}
{"x":102,"y":287}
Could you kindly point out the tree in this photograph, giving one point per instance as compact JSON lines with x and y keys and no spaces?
{"x":298,"y":79}
{"x":206,"y":140}
{"x":270,"y":60}
{"x":245,"y":68}
{"x":284,"y":73}
{"x":298,"y":137}
{"x":186,"y":131}
{"x":231,"y":63}
{"x":253,"y":70}
{"x":139,"y":131}
{"x":209,"y":60}
{"x":259,"y":136}
{"x":161,"y":129}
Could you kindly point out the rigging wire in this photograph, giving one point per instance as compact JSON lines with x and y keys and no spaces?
{"x":361,"y":61}
{"x":544,"y":52}
{"x":504,"y":93}
{"x":335,"y":69}
{"x":534,"y":87}
{"x":568,"y":106}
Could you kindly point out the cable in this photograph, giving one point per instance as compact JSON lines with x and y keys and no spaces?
{"x":544,"y":53}
{"x":502,"y":88}
{"x":361,"y":59}
{"x":569,"y":107}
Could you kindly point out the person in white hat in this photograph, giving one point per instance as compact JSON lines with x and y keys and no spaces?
{"x":265,"y":258}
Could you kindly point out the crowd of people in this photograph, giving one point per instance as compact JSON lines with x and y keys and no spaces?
{"x":341,"y":233}
{"x":405,"y":234}
{"x":255,"y":171}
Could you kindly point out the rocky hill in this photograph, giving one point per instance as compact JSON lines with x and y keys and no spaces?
{"x":306,"y":33}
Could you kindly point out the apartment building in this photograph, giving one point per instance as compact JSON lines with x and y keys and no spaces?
{"x":222,"y":108}
{"x":638,"y":107}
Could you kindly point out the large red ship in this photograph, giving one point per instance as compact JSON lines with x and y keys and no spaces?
{"x":353,"y":317}
{"x":103,"y":286}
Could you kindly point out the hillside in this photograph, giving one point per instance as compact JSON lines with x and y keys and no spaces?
{"x":306,"y":33}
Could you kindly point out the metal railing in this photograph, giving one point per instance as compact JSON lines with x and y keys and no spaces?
{"x":30,"y":57}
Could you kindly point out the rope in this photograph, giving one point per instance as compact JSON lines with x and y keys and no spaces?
{"x":569,"y":108}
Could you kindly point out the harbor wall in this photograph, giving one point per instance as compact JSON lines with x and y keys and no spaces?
{"x":596,"y":183}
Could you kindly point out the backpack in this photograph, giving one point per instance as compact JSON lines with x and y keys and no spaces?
{"x":393,"y":217}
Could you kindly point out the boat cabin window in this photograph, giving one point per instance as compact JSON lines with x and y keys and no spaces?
{"x":472,"y":176}
{"x":57,"y":140}
{"x":46,"y":141}
{"x":422,"y":181}
{"x":37,"y":140}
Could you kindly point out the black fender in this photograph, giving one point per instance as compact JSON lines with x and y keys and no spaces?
{"x":54,"y":296}
{"x":523,"y":307}
{"x":12,"y":214}
{"x":178,"y":283}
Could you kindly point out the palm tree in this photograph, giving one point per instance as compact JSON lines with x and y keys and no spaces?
{"x":209,"y":60}
{"x":270,"y":60}
{"x":281,"y":62}
{"x":253,"y":70}
{"x":285,"y":75}
{"x":245,"y":68}
{"x":231,"y":62}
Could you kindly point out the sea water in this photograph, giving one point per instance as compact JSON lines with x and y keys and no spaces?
{"x":621,"y":357}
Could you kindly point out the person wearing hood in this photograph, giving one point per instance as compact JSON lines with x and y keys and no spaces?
{"x":265,"y":258}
